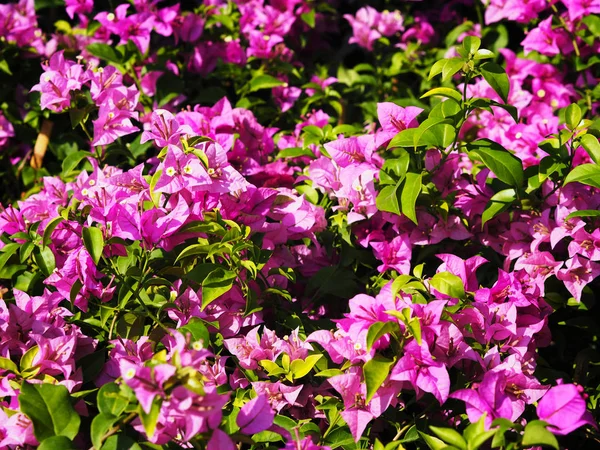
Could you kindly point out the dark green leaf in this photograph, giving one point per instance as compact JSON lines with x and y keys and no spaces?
{"x":506,"y":166}
{"x":110,"y":400}
{"x":410,"y":192}
{"x":120,"y":442}
{"x":375,"y":372}
{"x":50,"y":410}
{"x":44,"y":258}
{"x":105,"y":52}
{"x":72,"y":160}
{"x":497,"y":78}
{"x":499,"y":203}
{"x":101,"y":424}
{"x":93,"y":239}
{"x":50,"y":227}
{"x":57,"y":443}
{"x":264,"y":82}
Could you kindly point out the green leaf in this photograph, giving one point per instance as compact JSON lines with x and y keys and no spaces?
{"x":499,"y":203}
{"x":387,"y":199}
{"x":476,"y":435}
{"x":4,"y":67}
{"x":592,"y":146}
{"x":471,"y":44}
{"x":217,"y":283}
{"x":105,"y":52}
{"x":450,"y":436}
{"x":452,"y":66}
{"x":149,"y":420}
{"x":57,"y":443}
{"x":588,"y":174}
{"x":426,"y":125}
{"x":198,"y":331}
{"x":512,"y":110}
{"x":272,"y":368}
{"x":584,"y":213}
{"x":437,"y":68}
{"x":377,"y":330}
{"x":394,"y":170}
{"x":93,"y":239}
{"x":101,"y":424}
{"x":410,"y":192}
{"x":27,"y":358}
{"x":414,"y":326}
{"x":328,"y":373}
{"x":375,"y":372}
{"x":497,"y":78}
{"x":483,"y":54}
{"x":7,"y":364}
{"x":44,"y":258}
{"x":444,"y":92}
{"x":120,"y":442}
{"x":301,"y":368}
{"x":432,"y":442}
{"x":73,"y":160}
{"x":537,"y":434}
{"x":110,"y":400}
{"x":449,"y":284}
{"x":50,"y":410}
{"x":573,"y":116}
{"x":264,"y":82}
{"x":10,"y":249}
{"x":309,"y":18}
{"x":295,"y":152}
{"x":506,"y":166}
{"x":50,"y":227}
{"x":77,"y":116}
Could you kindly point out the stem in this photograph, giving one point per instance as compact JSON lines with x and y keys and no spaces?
{"x":565,"y":26}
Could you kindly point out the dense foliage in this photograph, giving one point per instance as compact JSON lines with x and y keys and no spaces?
{"x":299,"y":224}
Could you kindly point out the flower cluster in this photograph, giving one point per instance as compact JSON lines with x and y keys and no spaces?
{"x":231,"y":227}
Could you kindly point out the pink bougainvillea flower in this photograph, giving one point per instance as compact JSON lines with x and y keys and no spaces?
{"x":425,"y":374}
{"x":580,"y":8}
{"x":546,"y":40}
{"x":395,"y":254}
{"x":489,"y":398}
{"x":364,"y":27}
{"x":181,"y":171}
{"x":6,"y":130}
{"x":564,"y":409}
{"x":578,"y":273}
{"x":220,"y":441}
{"x":255,"y":416}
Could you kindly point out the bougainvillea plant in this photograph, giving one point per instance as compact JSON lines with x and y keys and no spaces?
{"x":299,"y":224}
